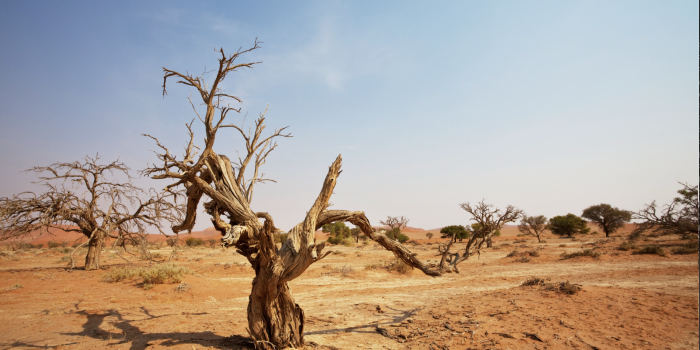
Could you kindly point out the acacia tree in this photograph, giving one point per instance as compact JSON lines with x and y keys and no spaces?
{"x":679,"y":217}
{"x":607,"y":217}
{"x":82,"y":197}
{"x":396,"y":225}
{"x":490,"y":219}
{"x":274,"y":319}
{"x":533,"y":226}
{"x":567,"y":225}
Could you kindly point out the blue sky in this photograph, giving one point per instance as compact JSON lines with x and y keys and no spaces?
{"x":546,"y":105}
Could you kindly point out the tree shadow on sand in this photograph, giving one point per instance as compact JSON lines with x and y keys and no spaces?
{"x":397,"y":316}
{"x":139,"y":340}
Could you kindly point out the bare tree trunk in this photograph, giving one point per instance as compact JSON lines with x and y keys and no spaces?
{"x":92,"y":259}
{"x":489,"y":243}
{"x":274,"y":319}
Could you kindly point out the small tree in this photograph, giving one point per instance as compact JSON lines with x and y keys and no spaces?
{"x":533,"y":226}
{"x":568,"y":225}
{"x":84,"y":197}
{"x":337,"y":232}
{"x":490,"y":220}
{"x":458,"y":231}
{"x":679,"y":217}
{"x":429,"y":235}
{"x":608,"y":218}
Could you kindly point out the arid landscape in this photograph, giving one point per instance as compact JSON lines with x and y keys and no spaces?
{"x":359,"y":298}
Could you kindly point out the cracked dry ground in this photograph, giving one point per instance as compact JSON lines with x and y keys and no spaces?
{"x":626,"y":302}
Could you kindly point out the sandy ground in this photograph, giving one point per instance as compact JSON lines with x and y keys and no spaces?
{"x":626,"y":302}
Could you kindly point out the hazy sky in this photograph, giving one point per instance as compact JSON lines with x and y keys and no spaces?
{"x":549,"y":106}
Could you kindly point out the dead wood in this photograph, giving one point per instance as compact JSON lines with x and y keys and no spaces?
{"x":275,"y":321}
{"x":85,"y":197}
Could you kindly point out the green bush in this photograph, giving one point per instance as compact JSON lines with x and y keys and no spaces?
{"x":348,"y":242}
{"x":193,"y":242}
{"x":585,"y":252}
{"x":651,"y":249}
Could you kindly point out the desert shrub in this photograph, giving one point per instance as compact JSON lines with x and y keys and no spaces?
{"x":520,"y":241}
{"x":154,"y":275}
{"x":690,"y":248}
{"x":625,"y":246}
{"x":522,"y":259}
{"x":193,"y":242}
{"x":651,"y":249}
{"x":562,"y":245}
{"x":542,"y":241}
{"x":163,"y":273}
{"x":395,"y":264}
{"x":517,"y":253}
{"x":563,"y":287}
{"x":119,"y":274}
{"x":533,"y":281}
{"x":335,"y":240}
{"x":585,"y":252}
{"x":348,"y":242}
{"x":52,"y":244}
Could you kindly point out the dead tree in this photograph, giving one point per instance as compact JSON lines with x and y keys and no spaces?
{"x":275,"y":321}
{"x":81,"y":197}
{"x":533,"y":226}
{"x":679,"y":217}
{"x":491,"y":219}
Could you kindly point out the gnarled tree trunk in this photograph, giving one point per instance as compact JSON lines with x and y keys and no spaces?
{"x":92,"y":259}
{"x":273,"y":316}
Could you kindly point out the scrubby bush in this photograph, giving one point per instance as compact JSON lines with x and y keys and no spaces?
{"x":157,"y":274}
{"x":563,"y":287}
{"x":625,"y":246}
{"x":585,"y":252}
{"x":52,"y":244}
{"x":533,"y":281}
{"x":395,"y":264}
{"x":517,"y":253}
{"x":193,"y":242}
{"x":690,"y":248}
{"x":348,"y":242}
{"x":651,"y":249}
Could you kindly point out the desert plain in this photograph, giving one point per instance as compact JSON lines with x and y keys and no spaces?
{"x":354,"y":299}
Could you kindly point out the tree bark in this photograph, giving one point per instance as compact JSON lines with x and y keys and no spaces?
{"x":489,"y":243}
{"x":92,"y":259}
{"x":275,"y":321}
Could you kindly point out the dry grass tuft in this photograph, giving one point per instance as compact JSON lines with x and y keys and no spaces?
{"x":629,"y":245}
{"x":585,"y":252}
{"x":11,"y":288}
{"x":533,"y":281}
{"x":395,"y":264}
{"x":157,"y":274}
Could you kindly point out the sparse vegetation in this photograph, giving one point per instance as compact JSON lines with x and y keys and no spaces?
{"x":651,"y":249}
{"x":568,"y":225}
{"x":563,"y":287}
{"x":533,"y":281}
{"x":517,"y":253}
{"x":391,"y":265}
{"x":11,"y":288}
{"x":625,"y":246}
{"x":162,"y":273}
{"x":533,"y":226}
{"x":193,"y":242}
{"x":607,"y":217}
{"x":585,"y":252}
{"x":690,"y":248}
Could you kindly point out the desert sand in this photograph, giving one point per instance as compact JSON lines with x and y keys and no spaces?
{"x":626,"y":301}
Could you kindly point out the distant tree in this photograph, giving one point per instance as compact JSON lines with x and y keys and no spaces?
{"x":458,"y":231}
{"x":396,"y":225}
{"x":85,"y":197}
{"x":608,"y":218}
{"x":533,"y":225}
{"x":171,"y":241}
{"x":337,"y":232}
{"x":568,"y":225}
{"x":679,"y":217}
{"x":429,"y":235}
{"x":490,"y":220}
{"x":356,"y":233}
